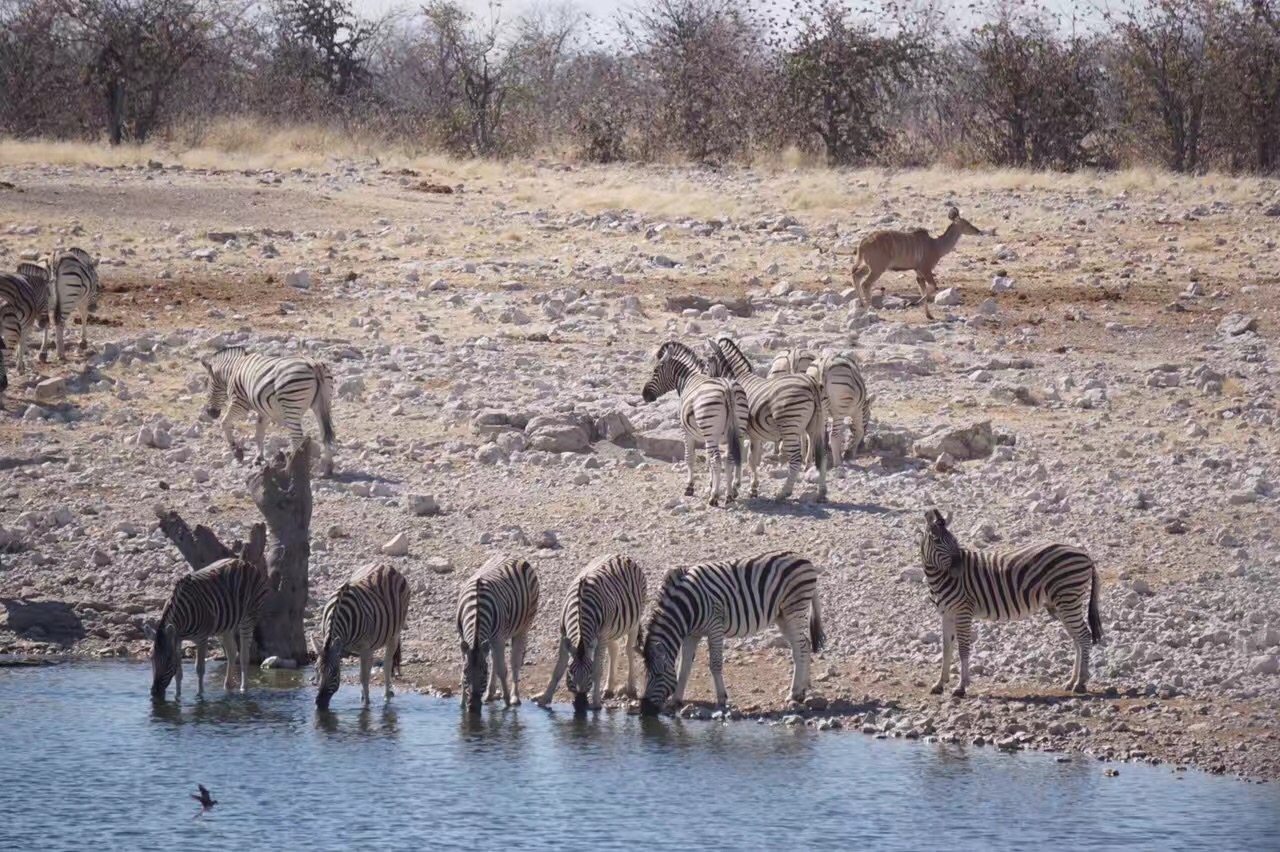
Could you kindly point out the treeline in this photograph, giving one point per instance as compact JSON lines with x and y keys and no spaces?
{"x":1190,"y":84}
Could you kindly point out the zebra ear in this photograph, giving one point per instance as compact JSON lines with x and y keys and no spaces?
{"x":953,"y":213}
{"x":149,"y":632}
{"x":948,"y":520}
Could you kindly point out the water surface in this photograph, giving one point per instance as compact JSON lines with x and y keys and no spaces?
{"x":90,"y":762}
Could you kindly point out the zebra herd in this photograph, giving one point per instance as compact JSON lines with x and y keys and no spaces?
{"x":604,"y":614}
{"x":804,"y":404}
{"x":43,"y":294}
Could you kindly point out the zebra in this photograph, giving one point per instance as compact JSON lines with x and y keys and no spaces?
{"x":279,"y":389}
{"x":732,"y":598}
{"x":844,"y":393}
{"x":497,"y":605}
{"x":712,"y":410}
{"x":1006,"y":586}
{"x":785,"y":408}
{"x":602,"y":609}
{"x":24,"y":302}
{"x":4,"y":375}
{"x":368,"y":611}
{"x":223,"y":599}
{"x":74,"y":288}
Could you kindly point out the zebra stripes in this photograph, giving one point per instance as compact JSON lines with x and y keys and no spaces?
{"x":75,"y":288}
{"x":367,"y":612}
{"x":223,"y":599}
{"x":844,"y":393}
{"x":785,"y":408}
{"x":1006,"y":586}
{"x":726,"y":599}
{"x":712,"y":410}
{"x":278,"y":389}
{"x":601,"y":611}
{"x":497,"y":605}
{"x":24,"y":302}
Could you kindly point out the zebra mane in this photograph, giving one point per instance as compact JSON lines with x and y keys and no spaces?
{"x":680,"y":353}
{"x":580,"y":650}
{"x":739,"y":364}
{"x":35,"y":273}
{"x":229,"y":350}
{"x":83,"y":256}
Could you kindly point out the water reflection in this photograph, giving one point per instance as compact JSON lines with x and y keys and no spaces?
{"x":233,"y":709}
{"x":383,"y":722}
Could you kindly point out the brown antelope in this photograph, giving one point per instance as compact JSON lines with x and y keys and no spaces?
{"x":908,"y":250}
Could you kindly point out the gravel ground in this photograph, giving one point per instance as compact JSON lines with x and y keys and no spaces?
{"x":1109,"y":367}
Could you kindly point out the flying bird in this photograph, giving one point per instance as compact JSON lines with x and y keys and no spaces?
{"x":206,"y":800}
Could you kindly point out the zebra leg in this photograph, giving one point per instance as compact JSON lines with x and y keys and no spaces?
{"x":610,"y":680}
{"x":688,"y":651}
{"x":794,"y":457}
{"x":259,"y":438}
{"x":757,"y":449}
{"x":389,"y":654}
{"x":947,"y":632}
{"x":562,"y":662}
{"x":1078,"y":627}
{"x":366,"y":674}
{"x":234,"y":412}
{"x":715,"y":659}
{"x":57,"y":336}
{"x":84,"y":324}
{"x":43,"y":355}
{"x":517,"y":660}
{"x":835,"y":429}
{"x":964,"y":640}
{"x":228,"y":641}
{"x":497,"y":650}
{"x":597,"y":669}
{"x":795,"y":628}
{"x":500,"y":671}
{"x":689,"y":453}
{"x":713,"y":468}
{"x":630,"y":641}
{"x":245,"y":653}
{"x":177,"y":676}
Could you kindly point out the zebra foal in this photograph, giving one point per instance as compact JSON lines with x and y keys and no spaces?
{"x":712,"y":410}
{"x":1007,"y":586}
{"x":223,"y":600}
{"x":719,"y":600}
{"x":278,"y":389}
{"x":497,"y":605}
{"x":367,"y":612}
{"x":601,"y":611}
{"x":785,"y":408}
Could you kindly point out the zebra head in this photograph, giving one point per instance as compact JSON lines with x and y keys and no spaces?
{"x":165,"y":657}
{"x":328,"y":665}
{"x":216,"y":365}
{"x":659,"y":644}
{"x":475,"y":673}
{"x":582,"y":630}
{"x":939,"y":550}
{"x":675,"y":363}
{"x":581,"y":677}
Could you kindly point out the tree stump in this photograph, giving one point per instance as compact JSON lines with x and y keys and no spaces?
{"x":282,"y":492}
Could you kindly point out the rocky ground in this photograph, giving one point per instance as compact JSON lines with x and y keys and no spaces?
{"x":1107,"y":363}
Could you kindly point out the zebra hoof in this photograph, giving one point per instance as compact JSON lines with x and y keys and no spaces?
{"x":688,"y":492}
{"x":515,"y":702}
{"x":822,"y":498}
{"x":1080,"y":689}
{"x":937,"y":689}
{"x":714,"y":501}
{"x":958,"y":692}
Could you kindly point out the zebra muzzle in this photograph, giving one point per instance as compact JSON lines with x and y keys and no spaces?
{"x":213,"y":412}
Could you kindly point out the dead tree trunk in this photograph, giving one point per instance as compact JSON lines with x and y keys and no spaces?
{"x":282,"y":492}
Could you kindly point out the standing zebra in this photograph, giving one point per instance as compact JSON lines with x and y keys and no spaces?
{"x":497,"y":605}
{"x":737,"y":597}
{"x":75,"y":288}
{"x":785,"y":408}
{"x":367,"y":612}
{"x":222,"y":599}
{"x":1007,"y":586}
{"x":279,"y":389}
{"x":713,"y":411}
{"x":844,"y":393}
{"x":24,"y":302}
{"x":602,"y":609}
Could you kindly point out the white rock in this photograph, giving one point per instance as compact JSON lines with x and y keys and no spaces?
{"x":279,"y":663}
{"x":398,"y":546}
{"x":439,"y":565}
{"x":299,"y":279}
{"x":948,"y":297}
{"x":1268,"y":664}
{"x":423,"y":504}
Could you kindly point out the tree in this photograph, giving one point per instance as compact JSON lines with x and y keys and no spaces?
{"x":328,"y":41}
{"x":841,"y":79}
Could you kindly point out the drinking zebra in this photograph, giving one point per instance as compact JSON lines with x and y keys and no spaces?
{"x":712,"y":410}
{"x":24,"y":302}
{"x":1006,"y":586}
{"x":602,"y":610}
{"x":367,"y":612}
{"x":785,"y":408}
{"x":220,"y":600}
{"x":719,"y":600}
{"x":75,"y":288}
{"x":844,"y":393}
{"x":497,"y":605}
{"x":278,"y":389}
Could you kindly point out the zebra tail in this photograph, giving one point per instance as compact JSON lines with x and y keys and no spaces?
{"x":735,"y":436}
{"x":1095,"y":617}
{"x":323,"y":403}
{"x":817,"y":638}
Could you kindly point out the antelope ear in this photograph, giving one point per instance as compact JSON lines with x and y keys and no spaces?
{"x":953,"y":213}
